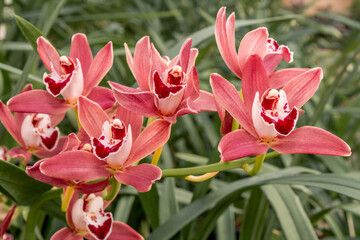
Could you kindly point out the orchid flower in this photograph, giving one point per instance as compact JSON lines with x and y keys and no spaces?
{"x":254,"y":42}
{"x":87,"y":219}
{"x":115,"y":146}
{"x":268,"y":116}
{"x":167,"y":88}
{"x":35,"y":133}
{"x":5,"y":224}
{"x":71,"y":76}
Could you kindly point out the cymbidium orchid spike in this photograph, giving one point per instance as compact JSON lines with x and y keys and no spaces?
{"x":115,"y":147}
{"x":71,"y":76}
{"x":87,"y":219}
{"x":269,"y":121}
{"x":167,"y":88}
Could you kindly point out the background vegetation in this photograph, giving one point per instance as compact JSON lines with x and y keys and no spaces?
{"x":293,"y":197}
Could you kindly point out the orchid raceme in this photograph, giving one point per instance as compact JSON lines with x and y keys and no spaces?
{"x":86,"y":218}
{"x":268,"y":116}
{"x":115,"y":146}
{"x":71,"y":76}
{"x":167,"y":88}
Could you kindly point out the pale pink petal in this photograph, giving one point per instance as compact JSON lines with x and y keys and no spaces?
{"x":279,"y":78}
{"x":254,"y":42}
{"x":91,"y":116}
{"x":19,"y":152}
{"x":185,"y":54}
{"x":37,"y":101}
{"x":238,"y":144}
{"x":135,"y":100}
{"x":102,"y":63}
{"x":311,"y":140}
{"x":225,"y":40}
{"x":302,"y":87}
{"x":102,"y":96}
{"x":66,"y":234}
{"x":80,"y":49}
{"x":124,"y":232}
{"x":75,"y":165}
{"x":226,"y":96}
{"x":8,"y":120}
{"x":48,"y":54}
{"x":140,"y":177}
{"x":154,"y":136}
{"x":254,"y":80}
{"x":141,"y":63}
{"x":205,"y":102}
{"x":130,"y":118}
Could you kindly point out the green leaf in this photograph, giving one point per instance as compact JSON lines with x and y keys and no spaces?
{"x":225,"y":225}
{"x":290,"y":213}
{"x":30,"y":32}
{"x":150,"y":202}
{"x":18,"y":185}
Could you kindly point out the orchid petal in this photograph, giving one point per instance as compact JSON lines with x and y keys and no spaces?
{"x":205,"y":102}
{"x":71,"y":142}
{"x":302,"y":87}
{"x":48,"y":54}
{"x":10,"y":124}
{"x":102,"y":96}
{"x":99,"y":224}
{"x":225,"y":40}
{"x":75,"y":165}
{"x":37,"y":101}
{"x":279,"y":78}
{"x":66,"y":234}
{"x":226,"y":95}
{"x":124,"y":232}
{"x":140,"y":177}
{"x":80,"y":49}
{"x":192,"y":89}
{"x":185,"y":54}
{"x":254,"y":42}
{"x":102,"y":63}
{"x":311,"y":140}
{"x":6,"y":221}
{"x":238,"y":144}
{"x":19,"y":152}
{"x":158,"y":63}
{"x":154,"y":136}
{"x":91,"y":116}
{"x":193,"y":55}
{"x":135,"y":100}
{"x":130,"y":118}
{"x":34,"y":172}
{"x":254,"y":80}
{"x":43,"y":153}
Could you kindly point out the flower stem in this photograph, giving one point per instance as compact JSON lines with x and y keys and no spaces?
{"x":114,"y":189}
{"x":201,"y":178}
{"x":156,"y":156}
{"x":77,"y":117}
{"x":221,"y":166}
{"x":257,"y":166}
{"x":68,"y":193}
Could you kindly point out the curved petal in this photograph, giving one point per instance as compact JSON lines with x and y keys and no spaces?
{"x":238,"y":144}
{"x":311,"y":140}
{"x":37,"y":101}
{"x":80,"y":49}
{"x":100,"y":66}
{"x":254,"y":42}
{"x":8,"y":120}
{"x":205,"y":102}
{"x":72,"y":142}
{"x":34,"y":172}
{"x":66,"y":234}
{"x":43,"y":153}
{"x":124,"y":232}
{"x":140,"y":177}
{"x":48,"y":54}
{"x":225,"y":40}
{"x":279,"y":78}
{"x":192,"y":89}
{"x":102,"y":96}
{"x":130,"y":118}
{"x":302,"y":87}
{"x":6,"y":221}
{"x":91,"y":116}
{"x":185,"y":54}
{"x":92,"y":187}
{"x":75,"y":165}
{"x":226,"y":96}
{"x":153,"y":137}
{"x":254,"y":80}
{"x":19,"y":152}
{"x":158,"y":63}
{"x":135,"y":100}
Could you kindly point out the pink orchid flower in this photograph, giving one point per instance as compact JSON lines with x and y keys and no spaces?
{"x":5,"y":224}
{"x":268,"y":116}
{"x":71,"y":76}
{"x":254,"y":42}
{"x":115,"y":147}
{"x":35,"y":133}
{"x":167,"y":88}
{"x":87,"y":219}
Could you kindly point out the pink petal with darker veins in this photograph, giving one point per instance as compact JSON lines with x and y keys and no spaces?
{"x":48,"y":54}
{"x":311,"y":140}
{"x":124,"y":232}
{"x":140,"y":177}
{"x":130,"y":118}
{"x":238,"y":144}
{"x":205,"y":102}
{"x":66,"y":234}
{"x":10,"y":123}
{"x":102,"y":96}
{"x":185,"y":54}
{"x":279,"y":78}
{"x":80,"y":49}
